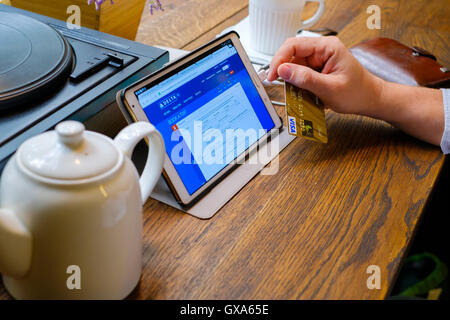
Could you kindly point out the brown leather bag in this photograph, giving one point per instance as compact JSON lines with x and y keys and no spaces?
{"x":393,"y":61}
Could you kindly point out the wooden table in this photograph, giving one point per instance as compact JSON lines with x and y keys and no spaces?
{"x":311,"y":231}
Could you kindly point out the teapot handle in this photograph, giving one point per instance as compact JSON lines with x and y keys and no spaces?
{"x":127,"y":140}
{"x":15,"y":245}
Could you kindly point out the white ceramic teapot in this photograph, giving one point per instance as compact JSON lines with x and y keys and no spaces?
{"x":71,"y":213}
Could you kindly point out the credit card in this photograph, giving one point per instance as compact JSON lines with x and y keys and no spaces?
{"x":305,"y":114}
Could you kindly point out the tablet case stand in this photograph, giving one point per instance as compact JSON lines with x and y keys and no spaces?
{"x":221,"y":193}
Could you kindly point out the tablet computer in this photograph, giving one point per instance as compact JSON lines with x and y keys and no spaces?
{"x":212,"y":111}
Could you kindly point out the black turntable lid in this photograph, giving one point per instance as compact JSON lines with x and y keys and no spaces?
{"x":33,"y":58}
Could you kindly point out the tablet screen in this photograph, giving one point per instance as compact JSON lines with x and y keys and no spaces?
{"x":208,"y":112}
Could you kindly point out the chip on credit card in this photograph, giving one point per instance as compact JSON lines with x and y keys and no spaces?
{"x":305,"y":114}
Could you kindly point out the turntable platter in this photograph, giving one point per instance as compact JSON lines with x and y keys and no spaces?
{"x":34,"y":59}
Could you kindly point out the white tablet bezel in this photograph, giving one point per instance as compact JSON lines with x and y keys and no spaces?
{"x":136,"y":111}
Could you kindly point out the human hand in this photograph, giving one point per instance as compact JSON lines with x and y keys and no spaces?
{"x":325,"y":67}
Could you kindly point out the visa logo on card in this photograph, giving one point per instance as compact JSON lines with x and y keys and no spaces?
{"x":292,"y":125}
{"x":305,"y":114}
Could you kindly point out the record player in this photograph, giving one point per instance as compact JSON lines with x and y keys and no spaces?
{"x":49,"y":73}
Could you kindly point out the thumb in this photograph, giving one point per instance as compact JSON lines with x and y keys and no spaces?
{"x":305,"y":78}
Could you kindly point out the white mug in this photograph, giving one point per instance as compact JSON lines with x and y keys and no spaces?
{"x":273,"y":21}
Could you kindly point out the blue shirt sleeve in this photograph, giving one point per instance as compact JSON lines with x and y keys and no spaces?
{"x":445,"y":142}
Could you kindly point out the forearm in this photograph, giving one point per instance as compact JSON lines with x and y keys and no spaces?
{"x":416,"y":111}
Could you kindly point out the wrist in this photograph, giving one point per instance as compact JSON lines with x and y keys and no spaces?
{"x":376,"y":105}
{"x":409,"y":108}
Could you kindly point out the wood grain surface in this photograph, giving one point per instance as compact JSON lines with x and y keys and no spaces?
{"x":311,"y":230}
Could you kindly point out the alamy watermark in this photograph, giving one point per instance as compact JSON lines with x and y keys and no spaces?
{"x":74,"y":19}
{"x":374,"y":20}
{"x":213,"y":148}
{"x":73,"y":282}
{"x":374,"y":280}
{"x":74,"y":11}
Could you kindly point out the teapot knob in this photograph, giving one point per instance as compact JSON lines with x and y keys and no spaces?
{"x":70,"y":133}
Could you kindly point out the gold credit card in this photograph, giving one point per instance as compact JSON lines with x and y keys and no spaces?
{"x":305,"y":114}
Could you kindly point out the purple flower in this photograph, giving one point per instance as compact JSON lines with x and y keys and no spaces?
{"x":98,"y":3}
{"x":156,"y":5}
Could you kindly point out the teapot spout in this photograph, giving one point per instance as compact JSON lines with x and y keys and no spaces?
{"x":15,"y":245}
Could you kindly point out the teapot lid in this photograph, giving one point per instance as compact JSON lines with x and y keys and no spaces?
{"x":70,"y":153}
